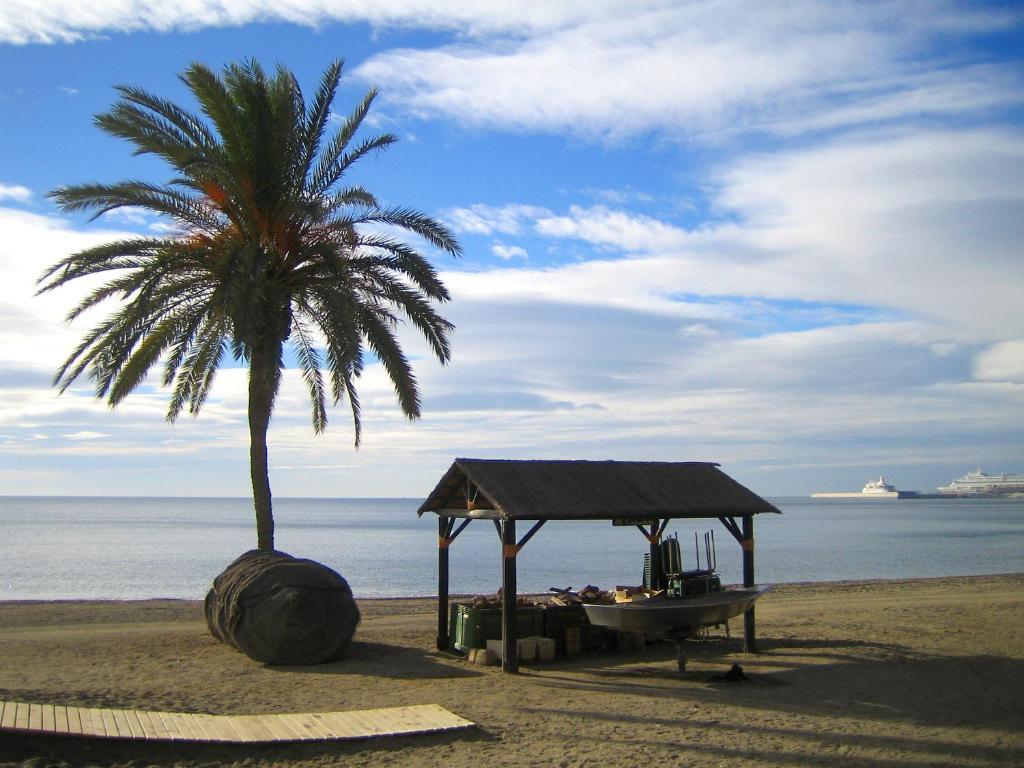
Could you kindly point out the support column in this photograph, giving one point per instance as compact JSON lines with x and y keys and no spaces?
{"x":657,"y":574}
{"x":509,"y":651}
{"x":443,"y":529}
{"x":747,"y":542}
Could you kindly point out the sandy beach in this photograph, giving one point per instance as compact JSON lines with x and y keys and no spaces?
{"x":893,"y":673}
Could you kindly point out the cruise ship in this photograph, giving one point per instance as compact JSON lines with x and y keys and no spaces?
{"x":979,"y":483}
{"x":874,"y":489}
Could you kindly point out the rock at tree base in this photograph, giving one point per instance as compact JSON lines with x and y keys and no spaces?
{"x":280,"y":609}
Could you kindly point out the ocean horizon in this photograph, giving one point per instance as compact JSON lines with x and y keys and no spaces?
{"x":127,"y":547}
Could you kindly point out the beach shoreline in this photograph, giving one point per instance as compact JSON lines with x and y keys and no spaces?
{"x":901,"y":672}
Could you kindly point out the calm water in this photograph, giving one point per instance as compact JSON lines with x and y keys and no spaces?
{"x":144,"y":547}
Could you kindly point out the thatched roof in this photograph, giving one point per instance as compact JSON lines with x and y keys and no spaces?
{"x":590,"y":490}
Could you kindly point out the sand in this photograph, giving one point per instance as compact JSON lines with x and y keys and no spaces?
{"x":891,"y":673}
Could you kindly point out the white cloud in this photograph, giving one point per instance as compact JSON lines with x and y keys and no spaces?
{"x":85,"y":435}
{"x":29,"y":21}
{"x":622,"y":231}
{"x":704,"y":69}
{"x":508,"y":252}
{"x":33,"y":335}
{"x":889,"y":220}
{"x":686,"y":70}
{"x":15,"y":192}
{"x":1001,"y":362}
{"x":483,"y":219}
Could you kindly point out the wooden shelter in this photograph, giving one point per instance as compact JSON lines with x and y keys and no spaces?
{"x":634,"y":493}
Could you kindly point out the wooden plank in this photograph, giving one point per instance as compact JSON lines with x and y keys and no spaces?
{"x":397,"y":721}
{"x":260,"y":724}
{"x":251,"y":729}
{"x":365,"y":722}
{"x":339,"y":725}
{"x":281,"y":733}
{"x":149,"y":728}
{"x":204,"y":725}
{"x":295,"y":733}
{"x":314,"y":725}
{"x":48,"y":718}
{"x":300,"y":726}
{"x":124,"y":729}
{"x":60,"y":719}
{"x":21,"y":716}
{"x":437,"y":713}
{"x":7,"y":715}
{"x":218,"y":727}
{"x":35,"y":717}
{"x":107,"y":717}
{"x":156,"y":719}
{"x":189,"y":727}
{"x":242,"y":727}
{"x":92,"y":722}
{"x":74,"y":720}
{"x":135,"y":724}
{"x":172,"y":726}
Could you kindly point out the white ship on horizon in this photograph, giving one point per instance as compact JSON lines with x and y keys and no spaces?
{"x":873,"y":489}
{"x":979,"y":483}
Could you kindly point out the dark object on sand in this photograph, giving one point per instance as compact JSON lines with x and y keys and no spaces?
{"x":734,"y":675}
{"x":280,"y":609}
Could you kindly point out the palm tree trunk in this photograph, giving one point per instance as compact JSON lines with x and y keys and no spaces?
{"x":263,"y":374}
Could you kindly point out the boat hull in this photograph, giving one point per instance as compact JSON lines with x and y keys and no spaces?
{"x":674,"y":616}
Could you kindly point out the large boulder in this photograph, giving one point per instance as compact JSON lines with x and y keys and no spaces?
{"x":280,"y":609}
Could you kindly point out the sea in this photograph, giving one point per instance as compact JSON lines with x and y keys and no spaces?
{"x":130,"y":548}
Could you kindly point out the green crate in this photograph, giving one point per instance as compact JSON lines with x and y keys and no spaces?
{"x":693,"y":586}
{"x":470,"y":627}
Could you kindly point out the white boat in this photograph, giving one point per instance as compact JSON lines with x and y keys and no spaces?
{"x":879,"y":486}
{"x":979,"y":483}
{"x":675,"y":616}
{"x":873,"y":489}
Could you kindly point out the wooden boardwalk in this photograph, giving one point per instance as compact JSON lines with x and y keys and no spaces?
{"x":238,"y":729}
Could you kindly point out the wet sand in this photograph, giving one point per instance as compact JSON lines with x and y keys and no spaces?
{"x":890,"y":673}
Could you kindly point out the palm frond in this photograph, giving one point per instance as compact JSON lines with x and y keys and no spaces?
{"x":325,"y":174}
{"x":377,"y":325}
{"x":320,"y":114}
{"x":329,"y":173}
{"x":189,"y":125}
{"x":309,"y":363}
{"x":434,"y":232}
{"x":102,"y":198}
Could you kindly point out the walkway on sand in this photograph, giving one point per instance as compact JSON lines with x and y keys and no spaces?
{"x":238,"y":729}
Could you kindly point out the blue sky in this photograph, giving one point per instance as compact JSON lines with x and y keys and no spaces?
{"x":787,"y":238}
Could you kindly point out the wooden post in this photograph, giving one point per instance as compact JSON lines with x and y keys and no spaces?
{"x":509,"y":650}
{"x":747,"y":542}
{"x":443,"y":526}
{"x":657,"y":574}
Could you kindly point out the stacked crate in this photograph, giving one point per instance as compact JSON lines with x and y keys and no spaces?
{"x":572,"y":632}
{"x":470,"y":627}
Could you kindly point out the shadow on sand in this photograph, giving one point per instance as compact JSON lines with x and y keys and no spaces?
{"x":388,"y":661}
{"x":851,"y":679}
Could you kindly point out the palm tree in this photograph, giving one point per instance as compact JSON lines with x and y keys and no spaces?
{"x":269,"y":248}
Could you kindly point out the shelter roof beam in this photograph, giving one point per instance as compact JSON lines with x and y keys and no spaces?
{"x":732,"y":527}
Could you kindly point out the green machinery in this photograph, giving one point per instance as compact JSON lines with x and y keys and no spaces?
{"x":665,"y":570}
